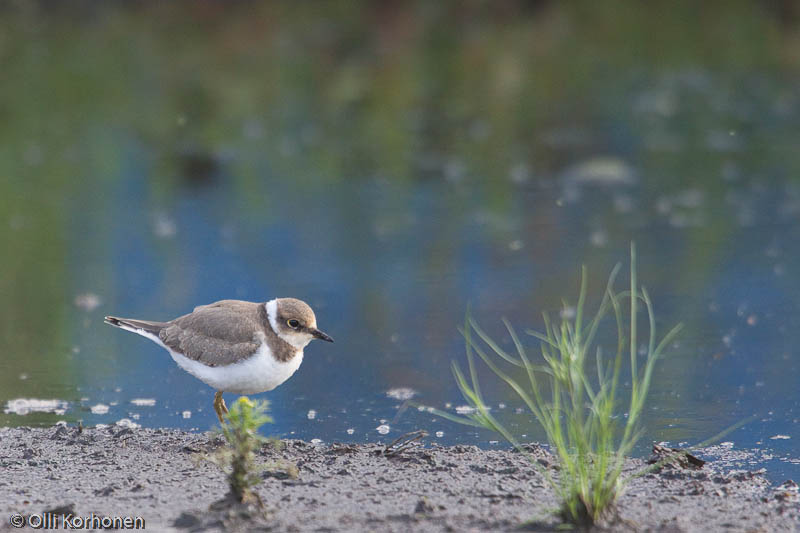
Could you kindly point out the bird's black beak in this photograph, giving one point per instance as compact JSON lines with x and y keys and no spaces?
{"x":320,"y":335}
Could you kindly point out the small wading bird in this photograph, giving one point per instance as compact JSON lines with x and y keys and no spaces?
{"x":235,"y":346}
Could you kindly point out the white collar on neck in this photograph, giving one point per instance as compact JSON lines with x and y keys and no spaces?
{"x":296,"y":340}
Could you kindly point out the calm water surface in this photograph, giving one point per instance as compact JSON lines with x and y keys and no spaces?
{"x":391,"y":180}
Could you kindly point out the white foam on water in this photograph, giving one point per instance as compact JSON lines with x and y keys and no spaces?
{"x":24,"y":406}
{"x":127,"y":423}
{"x":401,"y":393}
{"x":144,"y":402}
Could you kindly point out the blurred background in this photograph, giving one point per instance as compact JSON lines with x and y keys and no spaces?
{"x":392,"y":163}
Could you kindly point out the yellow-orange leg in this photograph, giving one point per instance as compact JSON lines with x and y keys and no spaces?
{"x":220,"y":407}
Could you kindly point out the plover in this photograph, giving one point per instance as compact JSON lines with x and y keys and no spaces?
{"x":235,"y":346}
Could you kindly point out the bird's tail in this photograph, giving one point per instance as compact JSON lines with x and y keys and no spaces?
{"x":147,"y":326}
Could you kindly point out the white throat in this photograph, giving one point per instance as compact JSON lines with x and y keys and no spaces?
{"x":297,"y":340}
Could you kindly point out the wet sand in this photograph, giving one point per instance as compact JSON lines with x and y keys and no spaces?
{"x":160,"y":475}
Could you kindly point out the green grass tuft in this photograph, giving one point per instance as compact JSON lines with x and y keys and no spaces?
{"x":578,"y":412}
{"x":238,"y":461}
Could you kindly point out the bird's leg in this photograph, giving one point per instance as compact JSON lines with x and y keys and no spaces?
{"x":220,"y":407}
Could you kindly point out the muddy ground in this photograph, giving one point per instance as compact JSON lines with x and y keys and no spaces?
{"x":160,"y":475}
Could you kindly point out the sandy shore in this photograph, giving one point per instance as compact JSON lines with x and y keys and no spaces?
{"x":160,"y":475}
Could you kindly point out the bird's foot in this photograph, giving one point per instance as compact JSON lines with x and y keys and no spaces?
{"x":220,"y":407}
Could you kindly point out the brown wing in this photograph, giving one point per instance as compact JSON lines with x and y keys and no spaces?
{"x":217,"y":334}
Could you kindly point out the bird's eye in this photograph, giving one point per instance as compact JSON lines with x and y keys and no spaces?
{"x":293,"y":323}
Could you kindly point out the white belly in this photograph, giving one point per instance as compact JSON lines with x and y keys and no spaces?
{"x":260,"y":372}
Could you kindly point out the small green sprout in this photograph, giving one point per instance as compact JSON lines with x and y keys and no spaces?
{"x":238,"y":460}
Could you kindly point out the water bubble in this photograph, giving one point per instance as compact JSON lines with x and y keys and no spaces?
{"x":727,"y":340}
{"x":144,"y":402}
{"x":383,"y":429}
{"x":127,"y":423}
{"x":520,"y":173}
{"x":439,"y":434}
{"x":598,"y":238}
{"x":312,"y":414}
{"x":164,"y":227}
{"x":401,"y":393}
{"x":87,"y":301}
{"x":350,"y":431}
{"x":465,"y":409}
{"x":23,"y":406}
{"x":567,"y":313}
{"x":99,"y":409}
{"x":604,"y":171}
{"x":186,"y":414}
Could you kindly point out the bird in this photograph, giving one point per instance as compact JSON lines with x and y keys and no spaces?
{"x":233,"y":345}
